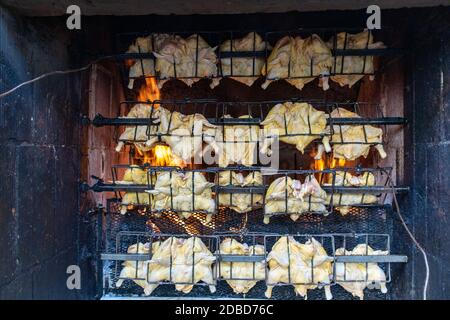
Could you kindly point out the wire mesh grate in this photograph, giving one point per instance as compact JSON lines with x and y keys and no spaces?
{"x":142,"y":53}
{"x":329,"y":242}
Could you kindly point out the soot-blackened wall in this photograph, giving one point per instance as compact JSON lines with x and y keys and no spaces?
{"x":39,"y":161}
{"x":428,"y":150}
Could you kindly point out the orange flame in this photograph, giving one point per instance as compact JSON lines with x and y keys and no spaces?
{"x":149,"y":91}
{"x":332,"y":163}
{"x":160,"y":155}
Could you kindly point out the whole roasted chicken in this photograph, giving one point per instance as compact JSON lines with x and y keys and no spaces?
{"x":342,"y":202}
{"x":344,"y":66}
{"x":298,"y":61}
{"x":237,"y":144}
{"x":184,"y":192}
{"x":243,"y":69}
{"x":294,"y":123}
{"x":183,"y":262}
{"x":184,"y":134}
{"x":241,"y":276}
{"x":305,"y":266}
{"x":350,"y":142}
{"x":355,"y":277}
{"x":288,"y":196}
{"x":187,"y":59}
{"x":240,"y":202}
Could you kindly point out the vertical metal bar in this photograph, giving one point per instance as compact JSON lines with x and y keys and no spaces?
{"x":231,"y":56}
{"x":289,"y":259}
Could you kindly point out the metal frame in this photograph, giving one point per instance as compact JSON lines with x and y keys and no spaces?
{"x":257,"y":110}
{"x":270,"y":38}
{"x":380,"y":189}
{"x":329,"y":241}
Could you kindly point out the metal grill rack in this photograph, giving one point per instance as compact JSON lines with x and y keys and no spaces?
{"x":114,"y":272}
{"x":215,"y":112}
{"x":146,"y":61}
{"x":336,"y":195}
{"x":146,"y":225}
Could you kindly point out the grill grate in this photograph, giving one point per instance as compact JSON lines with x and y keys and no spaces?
{"x":146,"y":61}
{"x":370,"y":114}
{"x":135,"y":196}
{"x":281,"y":291}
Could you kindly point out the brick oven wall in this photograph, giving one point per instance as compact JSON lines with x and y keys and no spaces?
{"x":39,"y":162}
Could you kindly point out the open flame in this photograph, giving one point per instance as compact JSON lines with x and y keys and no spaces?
{"x":161,"y":155}
{"x":328,"y":163}
{"x":149,"y":91}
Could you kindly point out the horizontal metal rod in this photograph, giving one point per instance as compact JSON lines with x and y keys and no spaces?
{"x":367,"y":52}
{"x":240,"y":258}
{"x":125,"y":256}
{"x":235,"y":121}
{"x":243,"y":54}
{"x":111,"y":187}
{"x":372,"y":259}
{"x":364,"y":189}
{"x":362,"y":121}
{"x":237,"y":189}
{"x":100,"y":121}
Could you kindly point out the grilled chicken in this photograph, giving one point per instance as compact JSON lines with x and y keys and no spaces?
{"x":350,"y":142}
{"x":183,"y":262}
{"x":136,"y":271}
{"x":299,"y":61}
{"x":144,"y":67}
{"x":237,"y":144}
{"x":141,"y":136}
{"x":343,"y":66}
{"x":192,"y":263}
{"x":185,"y":133}
{"x":134,"y":175}
{"x":305,"y":266}
{"x":187,"y":59}
{"x":355,"y":277}
{"x":240,"y":202}
{"x":294,"y":123}
{"x":343,"y":201}
{"x":183,"y":192}
{"x":244,"y":70}
{"x":241,"y":276}
{"x":289,"y":196}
